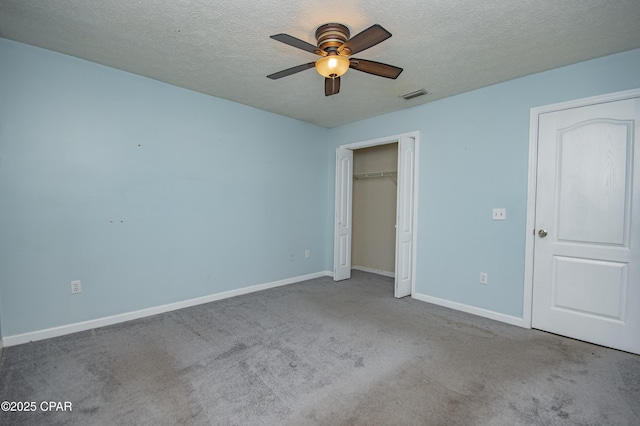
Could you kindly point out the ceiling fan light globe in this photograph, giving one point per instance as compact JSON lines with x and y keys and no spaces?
{"x":332,"y":66}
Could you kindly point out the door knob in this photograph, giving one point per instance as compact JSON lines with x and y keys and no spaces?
{"x":542,"y":233}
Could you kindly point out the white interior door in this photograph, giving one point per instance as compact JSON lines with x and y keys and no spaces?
{"x":586,"y":278}
{"x":405,"y":222}
{"x":342,"y":237}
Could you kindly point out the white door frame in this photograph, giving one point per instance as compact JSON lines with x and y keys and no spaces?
{"x":384,"y":141}
{"x":531,"y":196}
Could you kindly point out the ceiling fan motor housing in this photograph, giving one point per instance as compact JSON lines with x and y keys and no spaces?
{"x":331,"y":36}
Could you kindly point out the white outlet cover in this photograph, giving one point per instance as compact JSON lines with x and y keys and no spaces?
{"x":76,"y":287}
{"x":499,"y":214}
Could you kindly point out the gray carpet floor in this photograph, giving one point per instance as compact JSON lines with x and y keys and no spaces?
{"x":321,"y":353}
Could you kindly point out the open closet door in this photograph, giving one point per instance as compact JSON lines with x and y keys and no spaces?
{"x":342,"y":236}
{"x":405,"y":212}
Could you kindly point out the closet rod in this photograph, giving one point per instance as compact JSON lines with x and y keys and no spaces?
{"x":374,"y":175}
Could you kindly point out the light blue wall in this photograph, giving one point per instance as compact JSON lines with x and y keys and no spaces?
{"x":151,"y":194}
{"x":148,"y":193}
{"x":473,"y":157}
{"x":1,"y":321}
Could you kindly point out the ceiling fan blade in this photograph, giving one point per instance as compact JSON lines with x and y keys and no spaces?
{"x":331,"y":86}
{"x":375,"y":68}
{"x":296,"y":42}
{"x":290,"y":71}
{"x":368,"y":38}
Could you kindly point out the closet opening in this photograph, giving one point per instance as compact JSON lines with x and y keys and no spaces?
{"x":375,"y":188}
{"x":405,"y":177}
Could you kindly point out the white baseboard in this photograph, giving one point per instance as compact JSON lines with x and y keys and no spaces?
{"x":374,"y":271}
{"x":471,"y":310}
{"x":128,"y":316}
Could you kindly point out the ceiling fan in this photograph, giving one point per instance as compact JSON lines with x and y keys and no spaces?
{"x":335,"y":47}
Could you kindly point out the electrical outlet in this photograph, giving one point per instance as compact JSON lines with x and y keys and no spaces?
{"x":484,"y":278}
{"x":499,"y":214}
{"x":307,"y":253}
{"x":76,"y":287}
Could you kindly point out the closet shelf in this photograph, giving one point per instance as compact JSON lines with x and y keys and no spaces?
{"x":374,"y":175}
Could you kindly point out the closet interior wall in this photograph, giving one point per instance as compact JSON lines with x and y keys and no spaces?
{"x":374,"y":208}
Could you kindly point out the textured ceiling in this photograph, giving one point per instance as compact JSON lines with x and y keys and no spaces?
{"x":222,"y":48}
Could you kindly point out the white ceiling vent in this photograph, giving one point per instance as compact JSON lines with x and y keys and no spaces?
{"x":415,"y":94}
